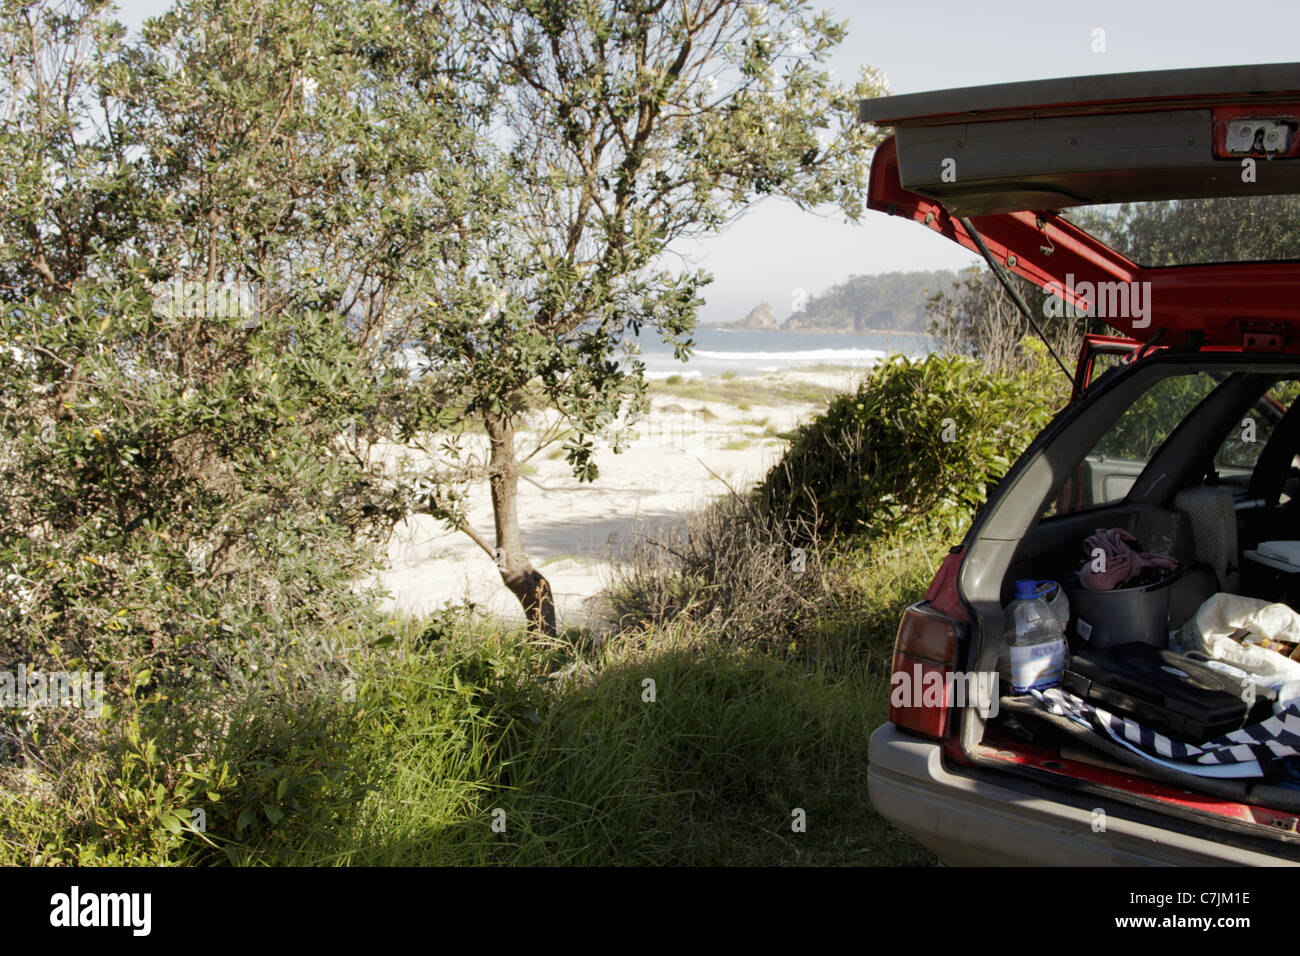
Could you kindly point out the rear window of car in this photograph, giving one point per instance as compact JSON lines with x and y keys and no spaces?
{"x":1197,"y":231}
{"x":1107,"y":473}
{"x":1239,"y":452}
{"x":1110,"y":468}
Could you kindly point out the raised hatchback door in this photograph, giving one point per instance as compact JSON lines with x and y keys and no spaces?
{"x":1001,"y":163}
{"x":1166,"y":134}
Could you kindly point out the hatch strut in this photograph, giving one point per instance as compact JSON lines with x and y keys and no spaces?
{"x":1012,"y":290}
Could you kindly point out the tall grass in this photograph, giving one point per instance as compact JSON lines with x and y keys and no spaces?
{"x":595,"y":771}
{"x":685,"y":738}
{"x":732,"y":693}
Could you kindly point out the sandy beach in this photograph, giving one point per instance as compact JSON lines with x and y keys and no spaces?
{"x":686,"y":452}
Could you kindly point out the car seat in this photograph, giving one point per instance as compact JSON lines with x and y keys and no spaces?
{"x":1213,"y":517}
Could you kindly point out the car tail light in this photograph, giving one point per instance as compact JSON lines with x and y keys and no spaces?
{"x":925,"y":653}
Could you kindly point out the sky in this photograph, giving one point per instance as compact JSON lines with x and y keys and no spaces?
{"x":776,"y":250}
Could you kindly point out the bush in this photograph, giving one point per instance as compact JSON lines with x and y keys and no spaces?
{"x":185,"y":788}
{"x":914,"y":450}
{"x":174,"y":516}
{"x":730,"y":568}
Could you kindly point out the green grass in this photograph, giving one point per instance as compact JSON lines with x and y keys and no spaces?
{"x":736,"y":444}
{"x":588,"y":771}
{"x":456,"y":717}
{"x":595,"y":773}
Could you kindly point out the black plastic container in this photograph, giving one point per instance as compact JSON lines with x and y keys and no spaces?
{"x":1103,"y":619}
{"x":1165,"y":692}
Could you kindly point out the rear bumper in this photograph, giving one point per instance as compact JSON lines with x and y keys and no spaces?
{"x":980,"y":820}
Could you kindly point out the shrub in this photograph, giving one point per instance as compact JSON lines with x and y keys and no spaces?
{"x":730,"y":569}
{"x":913,"y":450}
{"x":166,"y":525}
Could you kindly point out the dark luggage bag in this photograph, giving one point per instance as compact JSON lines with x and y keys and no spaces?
{"x":1166,"y":692}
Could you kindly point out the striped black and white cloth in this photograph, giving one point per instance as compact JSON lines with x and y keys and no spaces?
{"x":1240,"y":754}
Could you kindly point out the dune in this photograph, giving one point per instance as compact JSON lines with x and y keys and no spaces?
{"x":683,"y":454}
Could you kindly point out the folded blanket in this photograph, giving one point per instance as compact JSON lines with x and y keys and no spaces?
{"x":1242,"y":753}
{"x":1123,"y":562}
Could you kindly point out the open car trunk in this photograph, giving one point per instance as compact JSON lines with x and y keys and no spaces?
{"x":1054,"y":499}
{"x":999,"y":169}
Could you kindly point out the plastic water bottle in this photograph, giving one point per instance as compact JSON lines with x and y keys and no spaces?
{"x":1054,"y":595}
{"x":1036,"y":640}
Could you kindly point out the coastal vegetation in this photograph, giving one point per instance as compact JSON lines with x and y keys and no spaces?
{"x":446,"y":217}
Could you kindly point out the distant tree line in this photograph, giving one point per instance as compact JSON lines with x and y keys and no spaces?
{"x":887,"y":301}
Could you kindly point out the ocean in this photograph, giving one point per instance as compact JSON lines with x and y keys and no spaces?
{"x":746,"y":353}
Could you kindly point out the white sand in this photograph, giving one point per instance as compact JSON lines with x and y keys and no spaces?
{"x":676,"y":463}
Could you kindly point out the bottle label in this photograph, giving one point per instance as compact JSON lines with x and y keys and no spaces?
{"x":1037,"y":666}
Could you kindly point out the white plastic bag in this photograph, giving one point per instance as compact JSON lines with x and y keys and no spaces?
{"x":1215,"y":630}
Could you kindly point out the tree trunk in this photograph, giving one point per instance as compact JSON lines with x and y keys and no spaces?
{"x":523,"y":580}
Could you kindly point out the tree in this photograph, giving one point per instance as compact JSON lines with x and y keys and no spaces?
{"x":623,"y":125}
{"x":979,"y":318}
{"x":449,"y":213}
{"x":181,"y":478}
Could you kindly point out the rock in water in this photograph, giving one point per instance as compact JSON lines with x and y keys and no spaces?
{"x":759,"y":319}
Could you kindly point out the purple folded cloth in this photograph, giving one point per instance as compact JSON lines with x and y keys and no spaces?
{"x":1123,"y":561}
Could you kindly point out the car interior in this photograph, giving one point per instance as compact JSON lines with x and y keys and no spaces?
{"x":1199,"y":460}
{"x":1229,"y":489}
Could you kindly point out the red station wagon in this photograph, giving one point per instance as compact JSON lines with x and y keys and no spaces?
{"x":1199,"y":348}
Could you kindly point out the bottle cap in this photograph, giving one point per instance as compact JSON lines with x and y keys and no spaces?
{"x":1026,"y":588}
